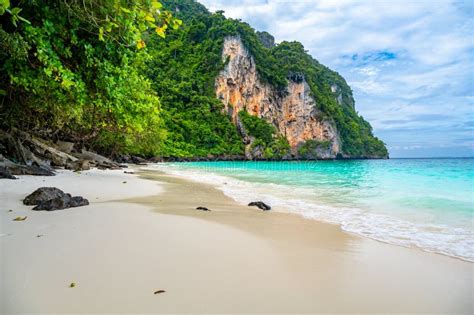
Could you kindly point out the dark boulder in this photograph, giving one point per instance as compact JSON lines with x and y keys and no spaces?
{"x":156,"y":159}
{"x":83,"y":165}
{"x":123,"y":159}
{"x":5,"y":173}
{"x":202,"y":209}
{"x":65,"y":146}
{"x":30,"y":150}
{"x":79,"y":165}
{"x":78,"y":201}
{"x":138,"y":160}
{"x":97,"y":160}
{"x":62,"y":202}
{"x":43,"y":194}
{"x":260,"y":204}
{"x":57,"y":203}
{"x":33,"y":169}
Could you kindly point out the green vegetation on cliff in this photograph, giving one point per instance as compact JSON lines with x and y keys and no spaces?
{"x":257,"y":127}
{"x":195,"y":52}
{"x":274,"y":146}
{"x":123,"y":77}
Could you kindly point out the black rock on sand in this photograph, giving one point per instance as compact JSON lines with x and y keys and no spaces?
{"x":260,"y":204}
{"x":52,"y":198}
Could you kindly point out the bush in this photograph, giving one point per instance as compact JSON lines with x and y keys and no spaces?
{"x":257,"y":127}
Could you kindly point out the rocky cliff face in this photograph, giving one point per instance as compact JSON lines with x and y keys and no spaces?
{"x":293,"y":112}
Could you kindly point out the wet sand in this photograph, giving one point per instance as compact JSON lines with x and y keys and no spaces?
{"x":145,"y":235}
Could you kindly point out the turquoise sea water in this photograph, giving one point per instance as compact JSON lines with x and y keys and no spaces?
{"x":424,"y":203}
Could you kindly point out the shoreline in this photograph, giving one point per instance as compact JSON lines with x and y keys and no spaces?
{"x":145,"y":235}
{"x":243,"y":191}
{"x":244,"y":159}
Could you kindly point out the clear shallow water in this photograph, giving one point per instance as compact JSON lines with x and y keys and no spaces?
{"x":424,"y":203}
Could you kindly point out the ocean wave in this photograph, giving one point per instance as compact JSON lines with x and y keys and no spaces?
{"x":436,"y":238}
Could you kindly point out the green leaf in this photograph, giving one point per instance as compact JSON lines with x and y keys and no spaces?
{"x":141,"y":44}
{"x":156,"y":5}
{"x":15,"y":11}
{"x":160,"y":31}
{"x":176,"y":24}
{"x":4,"y":5}
{"x":24,"y":20}
{"x":125,"y":10}
{"x":149,"y":18}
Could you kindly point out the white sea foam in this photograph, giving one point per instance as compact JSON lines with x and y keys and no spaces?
{"x":442,"y":239}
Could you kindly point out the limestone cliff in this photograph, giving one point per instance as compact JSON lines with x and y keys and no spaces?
{"x":293,"y":112}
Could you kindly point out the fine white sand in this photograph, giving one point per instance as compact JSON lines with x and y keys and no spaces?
{"x":144,"y":235}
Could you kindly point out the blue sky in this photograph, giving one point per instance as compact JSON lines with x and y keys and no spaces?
{"x":409,"y":63}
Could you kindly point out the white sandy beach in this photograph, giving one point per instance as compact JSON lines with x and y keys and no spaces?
{"x":144,"y":235}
